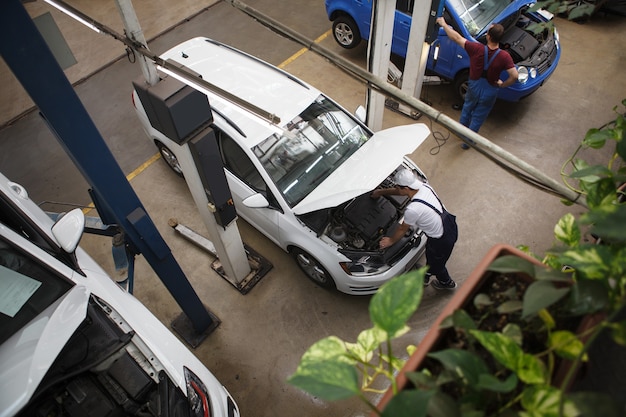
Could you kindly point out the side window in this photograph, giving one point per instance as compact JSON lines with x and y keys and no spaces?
{"x":236,"y":161}
{"x":405,"y":6}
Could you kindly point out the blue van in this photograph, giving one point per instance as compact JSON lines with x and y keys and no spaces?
{"x":536,"y":55}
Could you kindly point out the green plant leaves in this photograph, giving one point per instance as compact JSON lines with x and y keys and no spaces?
{"x":539,"y":295}
{"x":544,"y":401}
{"x":408,"y":403}
{"x":566,"y":344}
{"x":465,"y":364}
{"x":512,"y":263}
{"x":528,"y":368}
{"x":396,"y":301}
{"x":326,"y":372}
{"x":567,"y":231}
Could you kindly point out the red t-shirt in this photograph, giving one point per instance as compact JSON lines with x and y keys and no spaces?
{"x":501,"y":62}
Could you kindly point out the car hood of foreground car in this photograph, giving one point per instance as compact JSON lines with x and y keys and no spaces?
{"x":366,"y":168}
{"x":27,"y":355}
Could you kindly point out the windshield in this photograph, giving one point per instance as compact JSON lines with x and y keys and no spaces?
{"x":477,"y":15}
{"x":310,"y":148}
{"x":26,"y":289}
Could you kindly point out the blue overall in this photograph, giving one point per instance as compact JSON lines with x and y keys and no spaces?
{"x":479,"y":99}
{"x":438,"y":250}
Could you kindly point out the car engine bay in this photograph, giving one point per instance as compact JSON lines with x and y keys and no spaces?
{"x":358,"y":224}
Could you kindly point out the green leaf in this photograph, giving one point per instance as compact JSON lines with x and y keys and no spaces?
{"x":422,"y":380}
{"x":512,"y":263}
{"x":567,"y":231}
{"x":462,"y":320}
{"x":609,"y":222}
{"x":408,"y":403}
{"x":482,"y":300}
{"x":544,"y":401}
{"x":531,"y":370}
{"x":592,"y":173}
{"x":509,"y":306}
{"x":464,"y":363}
{"x":600,"y":193}
{"x":367,"y":342}
{"x":504,"y":349}
{"x":330,"y":380}
{"x":396,"y":301}
{"x":618,"y":332}
{"x":539,"y":295}
{"x":327,"y":349}
{"x":443,"y":405}
{"x":566,"y":344}
{"x":326,"y":371}
{"x":596,"y":138}
{"x":514,"y":332}
{"x":491,"y":383}
{"x":590,"y":262}
{"x":587,"y":296}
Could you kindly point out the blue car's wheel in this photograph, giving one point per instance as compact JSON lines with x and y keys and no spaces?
{"x":346,"y":32}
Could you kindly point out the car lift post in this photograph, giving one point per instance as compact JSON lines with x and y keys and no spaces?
{"x":31,"y":61}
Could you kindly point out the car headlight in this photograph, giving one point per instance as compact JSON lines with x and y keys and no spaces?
{"x":199,"y":404}
{"x":522,"y":75}
{"x":525,"y":73}
{"x":363,"y":263}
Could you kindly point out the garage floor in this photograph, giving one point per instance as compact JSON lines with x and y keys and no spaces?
{"x":263,"y":334}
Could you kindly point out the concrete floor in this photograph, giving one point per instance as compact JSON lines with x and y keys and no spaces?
{"x":263,"y":334}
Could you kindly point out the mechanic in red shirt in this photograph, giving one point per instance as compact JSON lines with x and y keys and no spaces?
{"x":486,"y":64}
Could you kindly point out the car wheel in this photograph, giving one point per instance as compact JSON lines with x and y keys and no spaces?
{"x":169,"y":157}
{"x":346,"y":32}
{"x":313,"y":269}
{"x":461,"y":84}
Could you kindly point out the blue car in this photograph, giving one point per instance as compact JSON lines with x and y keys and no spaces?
{"x":536,"y":55}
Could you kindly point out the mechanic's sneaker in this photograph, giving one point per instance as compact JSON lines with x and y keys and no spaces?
{"x":426,"y":280}
{"x":450,"y":285}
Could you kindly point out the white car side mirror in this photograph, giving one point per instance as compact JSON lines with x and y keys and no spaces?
{"x":256,"y":201}
{"x":69,"y":229}
{"x":361,"y":113}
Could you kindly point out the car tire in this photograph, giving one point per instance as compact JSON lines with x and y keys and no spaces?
{"x":346,"y":32}
{"x":313,"y":269}
{"x":461,"y":84}
{"x":169,"y":158}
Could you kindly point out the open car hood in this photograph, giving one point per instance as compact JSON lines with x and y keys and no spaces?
{"x":366,"y":168}
{"x":27,"y":356}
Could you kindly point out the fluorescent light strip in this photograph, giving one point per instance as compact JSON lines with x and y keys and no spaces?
{"x":238,"y":104}
{"x":73,"y":15}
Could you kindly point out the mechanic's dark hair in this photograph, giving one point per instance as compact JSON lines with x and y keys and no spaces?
{"x":495,"y":32}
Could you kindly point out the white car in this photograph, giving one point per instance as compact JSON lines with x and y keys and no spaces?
{"x":72,"y":342}
{"x":304,"y":182}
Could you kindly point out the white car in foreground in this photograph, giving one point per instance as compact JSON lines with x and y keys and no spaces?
{"x":72,"y":342}
{"x":306,"y":181}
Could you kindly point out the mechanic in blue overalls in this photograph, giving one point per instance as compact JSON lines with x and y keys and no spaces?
{"x":486,"y":64}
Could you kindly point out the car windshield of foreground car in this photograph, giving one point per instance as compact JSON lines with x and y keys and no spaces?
{"x":26,"y":289}
{"x":310,"y":148}
{"x":477,"y":14}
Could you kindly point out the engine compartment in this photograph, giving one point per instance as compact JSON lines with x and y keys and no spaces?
{"x":528,"y":41}
{"x":360,"y":223}
{"x":101,"y":372}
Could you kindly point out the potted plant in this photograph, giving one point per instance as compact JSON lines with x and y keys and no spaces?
{"x":516,"y":351}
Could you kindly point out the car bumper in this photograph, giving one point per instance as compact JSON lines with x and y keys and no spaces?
{"x":354,"y":285}
{"x":518,"y":91}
